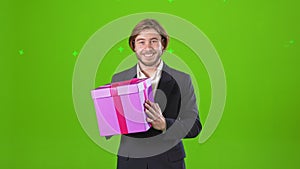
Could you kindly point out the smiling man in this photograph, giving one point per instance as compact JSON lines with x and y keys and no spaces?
{"x":174,"y":112}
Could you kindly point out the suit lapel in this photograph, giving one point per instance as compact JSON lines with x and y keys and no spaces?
{"x":165,"y":84}
{"x":166,"y":81}
{"x":132,"y":72}
{"x":164,"y":89}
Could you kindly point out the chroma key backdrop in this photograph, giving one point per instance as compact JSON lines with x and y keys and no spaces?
{"x":243,"y":58}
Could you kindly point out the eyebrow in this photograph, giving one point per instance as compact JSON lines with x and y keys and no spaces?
{"x":139,"y":39}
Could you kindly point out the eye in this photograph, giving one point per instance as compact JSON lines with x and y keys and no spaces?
{"x":141,"y":42}
{"x":154,"y":41}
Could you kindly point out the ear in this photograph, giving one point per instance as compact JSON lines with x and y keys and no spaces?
{"x":162,"y":43}
{"x":162,"y":47}
{"x":132,"y":44}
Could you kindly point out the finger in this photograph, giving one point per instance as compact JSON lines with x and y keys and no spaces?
{"x":158,"y":108}
{"x":150,"y":115}
{"x":152,"y":109}
{"x":149,"y":120}
{"x":150,"y":103}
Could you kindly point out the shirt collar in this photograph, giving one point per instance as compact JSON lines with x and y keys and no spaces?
{"x":140,"y":74}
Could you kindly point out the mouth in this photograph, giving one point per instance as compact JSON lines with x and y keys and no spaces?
{"x":149,"y":55}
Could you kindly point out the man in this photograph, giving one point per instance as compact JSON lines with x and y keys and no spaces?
{"x":173,"y":114}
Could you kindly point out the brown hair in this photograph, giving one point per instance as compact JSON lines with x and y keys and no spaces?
{"x":149,"y":24}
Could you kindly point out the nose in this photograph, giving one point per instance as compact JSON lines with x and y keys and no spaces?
{"x":148,"y":45}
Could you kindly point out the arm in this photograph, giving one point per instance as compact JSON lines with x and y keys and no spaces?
{"x":187,"y":124}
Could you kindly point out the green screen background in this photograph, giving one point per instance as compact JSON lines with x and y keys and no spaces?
{"x":257,"y":41}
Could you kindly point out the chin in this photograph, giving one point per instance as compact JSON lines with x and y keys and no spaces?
{"x":149,"y":63}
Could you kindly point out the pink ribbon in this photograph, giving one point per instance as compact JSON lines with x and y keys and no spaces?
{"x":118,"y":103}
{"x":119,"y":109}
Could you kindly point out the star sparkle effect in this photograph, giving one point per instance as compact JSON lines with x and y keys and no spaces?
{"x":290,"y":43}
{"x":21,"y":52}
{"x":120,"y":49}
{"x":75,"y":53}
{"x":170,"y":50}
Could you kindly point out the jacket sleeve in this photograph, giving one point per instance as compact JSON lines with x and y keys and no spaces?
{"x":187,"y":124}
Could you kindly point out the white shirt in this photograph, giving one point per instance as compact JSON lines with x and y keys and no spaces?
{"x":154,"y":78}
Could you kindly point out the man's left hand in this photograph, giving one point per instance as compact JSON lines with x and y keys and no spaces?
{"x":155,"y":116}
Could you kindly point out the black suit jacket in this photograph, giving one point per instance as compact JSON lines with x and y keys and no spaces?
{"x":154,"y":149}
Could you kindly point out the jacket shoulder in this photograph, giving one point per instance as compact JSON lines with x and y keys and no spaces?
{"x":178,"y":75}
{"x":124,"y":75}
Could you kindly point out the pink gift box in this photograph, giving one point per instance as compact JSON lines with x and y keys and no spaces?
{"x":120,"y":106}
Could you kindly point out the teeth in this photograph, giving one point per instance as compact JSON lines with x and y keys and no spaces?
{"x":147,"y":55}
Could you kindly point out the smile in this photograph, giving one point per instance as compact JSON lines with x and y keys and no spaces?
{"x":148,"y":55}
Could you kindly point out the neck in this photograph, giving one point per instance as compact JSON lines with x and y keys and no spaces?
{"x":149,"y":71}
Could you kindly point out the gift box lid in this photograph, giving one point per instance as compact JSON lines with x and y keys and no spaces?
{"x":121,"y":88}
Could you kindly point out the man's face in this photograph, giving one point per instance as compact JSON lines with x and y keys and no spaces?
{"x":148,"y":47}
